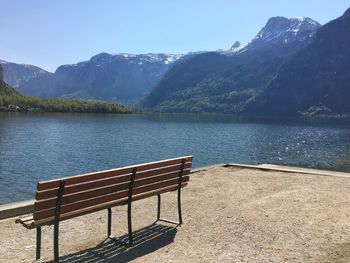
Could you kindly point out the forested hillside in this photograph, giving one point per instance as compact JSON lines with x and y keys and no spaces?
{"x":11,"y":100}
{"x":225,"y":82}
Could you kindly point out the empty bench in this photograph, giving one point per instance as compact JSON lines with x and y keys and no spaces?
{"x":65,"y":198}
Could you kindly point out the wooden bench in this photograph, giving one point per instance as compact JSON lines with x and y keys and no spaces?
{"x":65,"y":198}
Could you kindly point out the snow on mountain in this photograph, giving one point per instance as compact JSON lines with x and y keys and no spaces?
{"x":278,"y":30}
{"x":150,"y":57}
{"x":153,"y":57}
{"x":104,"y":58}
{"x":277,"y":27}
{"x":237,"y":46}
{"x":282,"y":30}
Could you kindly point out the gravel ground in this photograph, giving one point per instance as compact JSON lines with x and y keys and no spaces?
{"x":230,"y":215}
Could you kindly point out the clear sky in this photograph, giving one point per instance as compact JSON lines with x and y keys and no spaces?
{"x":49,"y":33}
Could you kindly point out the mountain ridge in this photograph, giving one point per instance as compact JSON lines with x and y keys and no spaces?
{"x":228,"y":80}
{"x":292,"y":66}
{"x":121,"y":78}
{"x":314,"y":80}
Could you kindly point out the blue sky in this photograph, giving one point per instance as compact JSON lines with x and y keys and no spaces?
{"x":51,"y":33}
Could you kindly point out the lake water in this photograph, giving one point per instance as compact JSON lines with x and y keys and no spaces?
{"x":37,"y":147}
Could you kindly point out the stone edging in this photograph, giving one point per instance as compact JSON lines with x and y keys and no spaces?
{"x":27,"y":207}
{"x":16,"y":209}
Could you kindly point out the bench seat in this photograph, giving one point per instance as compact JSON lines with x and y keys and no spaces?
{"x":61,"y":199}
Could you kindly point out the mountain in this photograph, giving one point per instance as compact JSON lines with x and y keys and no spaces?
{"x":120,"y":78}
{"x":283,"y":36}
{"x":16,"y":74}
{"x":315,"y":80}
{"x":225,"y":81}
{"x":5,"y":90}
{"x":12,"y":100}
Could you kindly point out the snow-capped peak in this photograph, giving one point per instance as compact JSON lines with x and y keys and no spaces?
{"x":236,"y":47}
{"x":279,"y":26}
{"x":153,"y":57}
{"x":102,"y":59}
{"x":137,"y":58}
{"x":306,"y":20}
{"x":280,"y":30}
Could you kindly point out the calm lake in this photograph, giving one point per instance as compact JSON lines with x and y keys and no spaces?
{"x":37,"y":147}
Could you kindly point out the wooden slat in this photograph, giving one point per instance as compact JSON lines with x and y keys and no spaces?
{"x":163,"y":170}
{"x":41,"y":186}
{"x":45,"y":185}
{"x":155,"y":186}
{"x":81,"y":196}
{"x":94,"y":193}
{"x":101,"y":193}
{"x":105,"y":198}
{"x":115,"y":198}
{"x":71,"y":189}
{"x":159,"y":178}
{"x":50,"y":220}
{"x":41,"y":195}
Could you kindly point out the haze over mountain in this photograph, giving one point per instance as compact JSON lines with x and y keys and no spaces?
{"x":5,"y":89}
{"x":120,"y":78}
{"x":315,"y":80}
{"x":293,"y":66}
{"x":16,"y":74}
{"x":12,"y":100}
{"x":126,"y":78}
{"x":225,"y":81}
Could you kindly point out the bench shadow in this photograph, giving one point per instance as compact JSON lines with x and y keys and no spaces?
{"x":146,"y":240}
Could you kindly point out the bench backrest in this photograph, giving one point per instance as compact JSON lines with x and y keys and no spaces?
{"x":92,"y":192}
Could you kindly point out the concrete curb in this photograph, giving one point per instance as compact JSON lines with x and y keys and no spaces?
{"x":199,"y":169}
{"x":27,"y":207}
{"x":290,"y":169}
{"x":16,"y":209}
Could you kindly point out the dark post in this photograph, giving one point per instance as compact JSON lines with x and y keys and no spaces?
{"x":179,"y":190}
{"x":57,"y":221}
{"x":38,"y":242}
{"x":158,"y":211}
{"x":132,"y":179}
{"x":109,"y":226}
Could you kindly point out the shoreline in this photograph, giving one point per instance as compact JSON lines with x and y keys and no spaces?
{"x":23,"y":207}
{"x":262,"y":166}
{"x":299,"y":119}
{"x":231,"y":214}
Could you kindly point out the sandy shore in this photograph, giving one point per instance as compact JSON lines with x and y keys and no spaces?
{"x":230,"y":215}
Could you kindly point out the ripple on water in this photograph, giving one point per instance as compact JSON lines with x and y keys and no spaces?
{"x":39,"y":147}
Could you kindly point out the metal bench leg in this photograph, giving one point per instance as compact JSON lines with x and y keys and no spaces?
{"x":38,"y":242}
{"x":109,"y":230}
{"x":131,"y":188}
{"x":109,"y":226}
{"x":178,"y":210}
{"x":158,"y":210}
{"x":130,"y":225}
{"x":178,"y":199}
{"x":57,"y":222}
{"x":55,"y":242}
{"x":179,"y":205}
